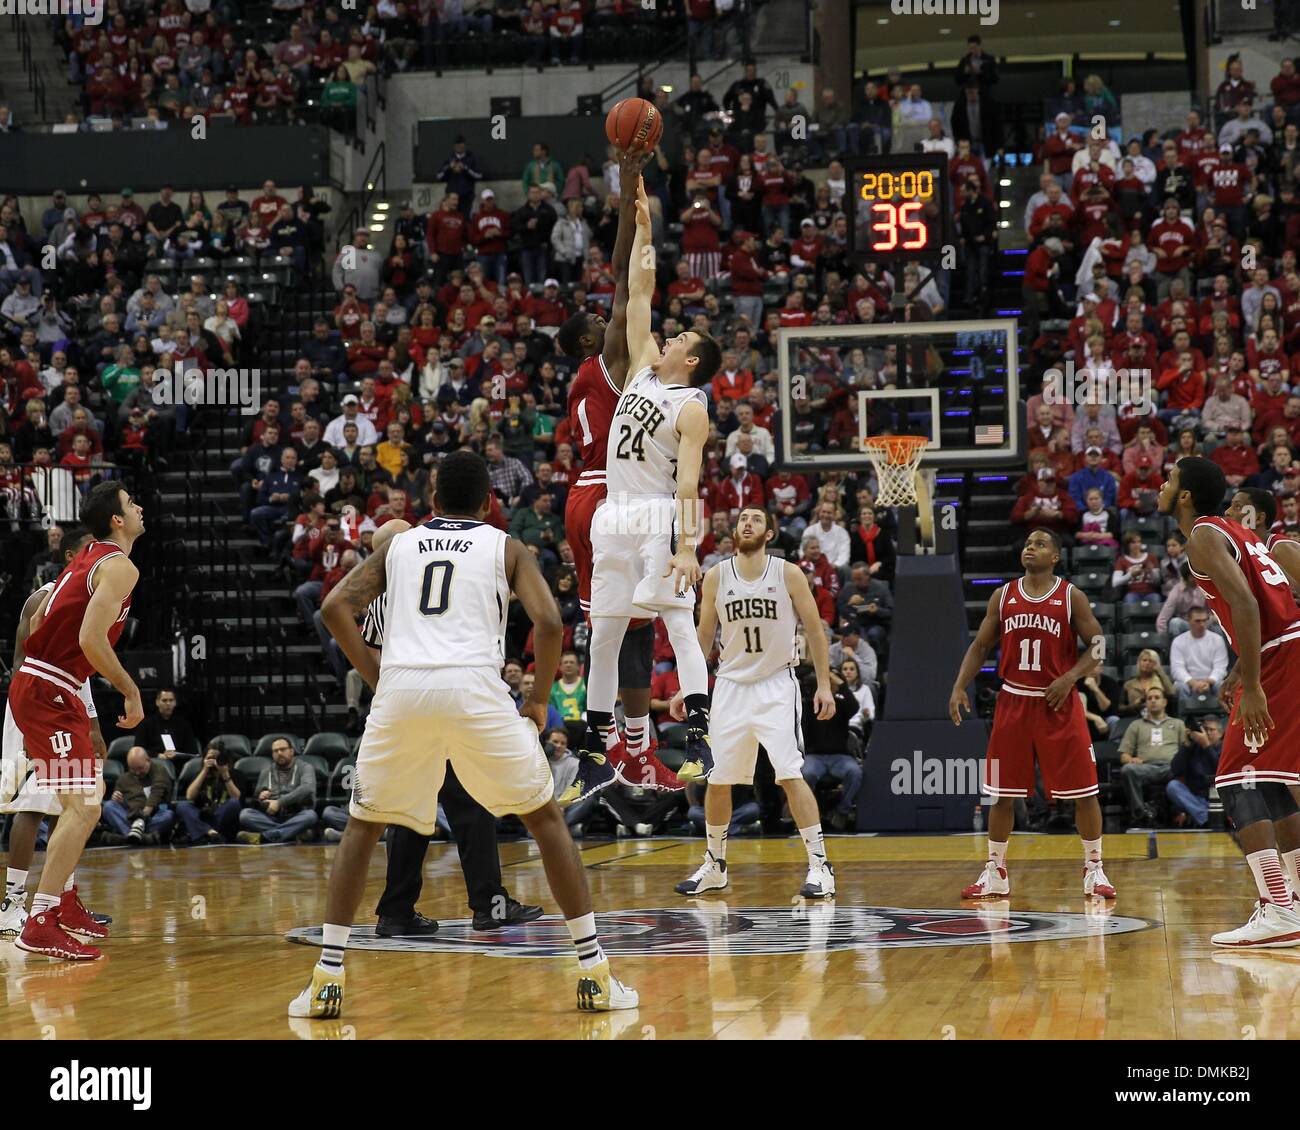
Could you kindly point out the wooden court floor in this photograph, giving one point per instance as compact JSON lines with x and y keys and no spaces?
{"x":199,"y":948}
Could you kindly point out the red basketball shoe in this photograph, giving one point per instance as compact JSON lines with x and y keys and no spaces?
{"x":76,"y":919}
{"x":645,"y":771}
{"x":44,"y":935}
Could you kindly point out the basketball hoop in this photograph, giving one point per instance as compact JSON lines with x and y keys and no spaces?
{"x":896,"y":459}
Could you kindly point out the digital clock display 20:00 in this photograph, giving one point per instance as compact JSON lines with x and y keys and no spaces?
{"x":909,"y":185}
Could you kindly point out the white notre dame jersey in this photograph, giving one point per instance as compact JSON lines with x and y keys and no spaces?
{"x":446,"y":598}
{"x":643,"y":439}
{"x":758,"y":623}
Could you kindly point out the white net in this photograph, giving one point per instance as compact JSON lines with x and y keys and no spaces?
{"x":896,"y":459}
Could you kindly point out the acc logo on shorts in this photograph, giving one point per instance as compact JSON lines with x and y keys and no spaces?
{"x":714,"y":928}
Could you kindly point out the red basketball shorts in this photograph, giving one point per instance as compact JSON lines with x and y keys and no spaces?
{"x":56,"y":733}
{"x":579,"y":510}
{"x":1025,"y":728}
{"x":1278,"y":759}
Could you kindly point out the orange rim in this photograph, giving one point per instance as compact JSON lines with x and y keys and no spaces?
{"x":897,"y":450}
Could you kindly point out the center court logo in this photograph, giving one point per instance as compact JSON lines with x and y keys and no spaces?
{"x":715,"y":928}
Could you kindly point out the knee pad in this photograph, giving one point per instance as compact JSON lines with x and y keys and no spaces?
{"x":1281,"y":803}
{"x":636,"y":657}
{"x":1246,"y":806}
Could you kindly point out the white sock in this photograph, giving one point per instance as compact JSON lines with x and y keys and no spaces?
{"x":716,"y":835}
{"x":1269,"y":877}
{"x":815,"y":844}
{"x":602,"y":662}
{"x":72,"y":882}
{"x":637,"y":732}
{"x":609,"y":735}
{"x":1092,"y":852}
{"x":998,"y":853}
{"x":15,"y":880}
{"x":692,"y":671}
{"x":42,"y":903}
{"x":583,"y":932}
{"x":335,"y":943}
{"x":1291,"y":861}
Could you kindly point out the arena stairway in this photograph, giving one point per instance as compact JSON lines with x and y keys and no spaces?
{"x":263,"y":668}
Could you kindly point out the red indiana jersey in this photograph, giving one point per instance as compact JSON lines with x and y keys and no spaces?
{"x":1278,"y":613}
{"x":592,"y":400}
{"x":54,"y":649}
{"x":1038,"y":643}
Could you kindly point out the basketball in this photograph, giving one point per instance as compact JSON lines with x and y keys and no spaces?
{"x":634,"y":124}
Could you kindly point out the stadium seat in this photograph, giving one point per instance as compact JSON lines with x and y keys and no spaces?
{"x":263,"y":747}
{"x":235,"y":745}
{"x":1124,"y":724}
{"x":187,"y":776}
{"x":247,"y":770}
{"x":1092,"y":556}
{"x":1133,"y":642}
{"x":339,"y":781}
{"x":1105,"y":614}
{"x":1093,"y":582}
{"x":1140,"y":614}
{"x":112,"y":771}
{"x":320,"y":766}
{"x":1151,"y":528}
{"x":1200,"y":705}
{"x":118,"y":747}
{"x":330,"y":747}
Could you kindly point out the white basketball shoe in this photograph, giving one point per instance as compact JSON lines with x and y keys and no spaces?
{"x":992,"y":884}
{"x":1270,"y":927}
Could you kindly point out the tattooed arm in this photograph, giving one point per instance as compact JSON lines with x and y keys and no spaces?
{"x":348,"y":600}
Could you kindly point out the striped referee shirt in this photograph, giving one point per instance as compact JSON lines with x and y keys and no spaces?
{"x":372,"y":628}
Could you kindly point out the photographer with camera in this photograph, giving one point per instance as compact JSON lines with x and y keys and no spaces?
{"x":210,"y":810}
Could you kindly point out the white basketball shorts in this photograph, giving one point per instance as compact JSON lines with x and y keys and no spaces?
{"x":423,"y":718}
{"x":743,"y":716}
{"x":632,"y":539}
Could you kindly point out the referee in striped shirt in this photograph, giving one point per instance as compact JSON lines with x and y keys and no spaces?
{"x":475,"y":831}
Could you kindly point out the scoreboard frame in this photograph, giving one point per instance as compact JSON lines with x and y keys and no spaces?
{"x":885,"y":177}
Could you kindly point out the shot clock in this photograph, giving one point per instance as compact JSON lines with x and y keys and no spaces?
{"x":902,"y":208}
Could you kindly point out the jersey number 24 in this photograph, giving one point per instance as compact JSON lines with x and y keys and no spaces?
{"x":631,"y":444}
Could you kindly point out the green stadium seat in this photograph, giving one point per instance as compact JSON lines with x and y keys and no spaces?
{"x":331,"y":747}
{"x":247,"y":770}
{"x":119,"y":747}
{"x":235,"y":745}
{"x":263,"y":747}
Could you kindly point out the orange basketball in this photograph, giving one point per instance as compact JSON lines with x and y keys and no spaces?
{"x":635,"y":125}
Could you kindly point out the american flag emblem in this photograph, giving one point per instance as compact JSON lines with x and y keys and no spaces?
{"x":771,"y":588}
{"x":988,"y":433}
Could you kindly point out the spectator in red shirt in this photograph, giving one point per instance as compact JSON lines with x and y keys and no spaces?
{"x":349,"y":314}
{"x":566,"y":33}
{"x":1056,"y":204}
{"x":791,"y":500}
{"x":1237,"y":457}
{"x":741,"y":488}
{"x":732,"y":381}
{"x":1058,"y":151}
{"x":1049,"y":506}
{"x":1267,"y":406}
{"x":1138,"y":489}
{"x":1173,"y":241}
{"x":489,"y":233}
{"x":1185,"y":385}
{"x":818,"y":567}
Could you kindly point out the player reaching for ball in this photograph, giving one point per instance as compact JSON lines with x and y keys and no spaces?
{"x":593,"y":398}
{"x":645,"y":535}
{"x":1039,"y":715}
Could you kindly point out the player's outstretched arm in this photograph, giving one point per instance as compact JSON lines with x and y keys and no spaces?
{"x":615,"y":351}
{"x":985,"y":641}
{"x":641,"y":348}
{"x":528,"y":584}
{"x":349,"y":599}
{"x":796,"y":584}
{"x":113,"y":582}
{"x":1090,"y":658}
{"x":693,"y":428}
{"x":1207,"y":550}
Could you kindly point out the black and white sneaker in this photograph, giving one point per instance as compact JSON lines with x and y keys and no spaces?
{"x":820,"y":883}
{"x":710,"y":876}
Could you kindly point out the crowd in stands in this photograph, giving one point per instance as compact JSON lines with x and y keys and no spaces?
{"x":150,"y":64}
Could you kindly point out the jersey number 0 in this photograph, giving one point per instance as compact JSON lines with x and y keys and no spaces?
{"x":435,"y":590}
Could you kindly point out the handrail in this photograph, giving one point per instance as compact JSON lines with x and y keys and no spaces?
{"x":35,"y":83}
{"x":633,"y":77}
{"x":376,"y":181}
